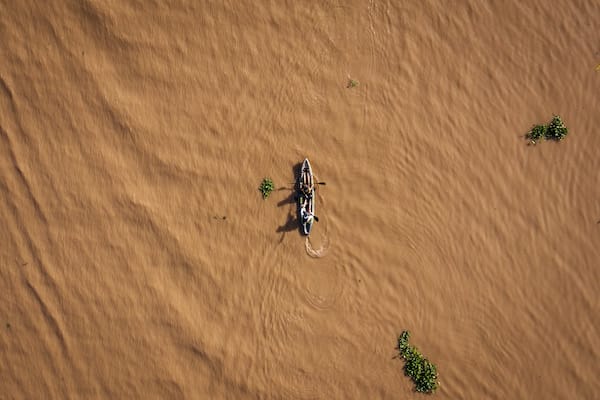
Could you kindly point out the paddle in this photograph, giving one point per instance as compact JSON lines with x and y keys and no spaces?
{"x":318,"y":183}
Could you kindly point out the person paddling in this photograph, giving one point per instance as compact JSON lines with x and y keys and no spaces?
{"x":307,"y":190}
{"x":306,"y":215}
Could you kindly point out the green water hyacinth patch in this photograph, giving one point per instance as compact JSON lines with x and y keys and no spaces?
{"x":555,"y":130}
{"x":418,"y":368}
{"x":266,"y":187}
{"x":537,"y":132}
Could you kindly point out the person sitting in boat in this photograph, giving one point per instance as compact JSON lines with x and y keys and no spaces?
{"x":307,"y":190}
{"x":306,"y":215}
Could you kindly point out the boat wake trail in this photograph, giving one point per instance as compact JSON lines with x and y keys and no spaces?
{"x":319,"y":252}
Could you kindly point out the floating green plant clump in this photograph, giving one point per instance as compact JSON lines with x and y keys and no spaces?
{"x":266,"y":187}
{"x":556,"y":130}
{"x":352,"y":83}
{"x":537,"y":132}
{"x":421,"y":370}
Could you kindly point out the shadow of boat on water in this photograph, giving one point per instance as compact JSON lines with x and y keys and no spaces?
{"x":293,"y":218}
{"x":291,"y":224}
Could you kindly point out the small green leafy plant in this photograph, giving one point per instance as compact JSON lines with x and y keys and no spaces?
{"x":537,"y":132}
{"x":352,"y":83}
{"x":556,"y":130}
{"x":266,"y":187}
{"x":421,"y":370}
